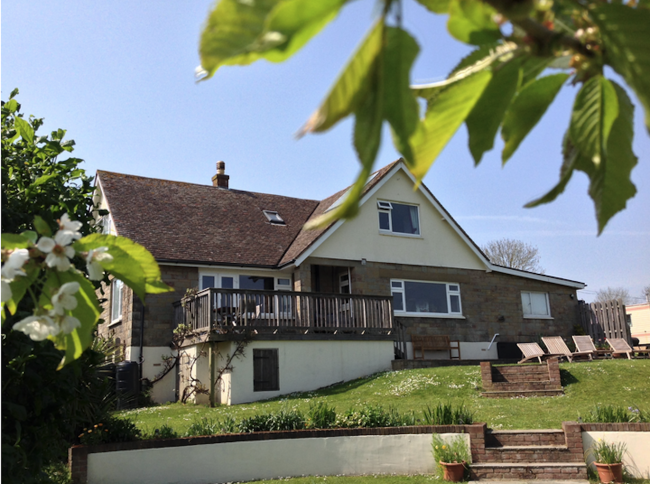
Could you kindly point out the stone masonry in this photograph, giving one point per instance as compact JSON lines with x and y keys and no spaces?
{"x":528,"y":380}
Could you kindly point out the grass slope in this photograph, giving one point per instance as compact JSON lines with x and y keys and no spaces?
{"x":612,"y":382}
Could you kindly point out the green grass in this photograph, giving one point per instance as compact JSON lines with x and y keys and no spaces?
{"x":374,"y":479}
{"x":605,"y":382}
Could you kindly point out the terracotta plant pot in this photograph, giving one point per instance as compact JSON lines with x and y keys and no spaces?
{"x":454,"y":471}
{"x":610,"y":472}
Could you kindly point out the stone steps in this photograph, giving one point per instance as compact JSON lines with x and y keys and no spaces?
{"x":527,"y":455}
{"x":522,"y":393}
{"x":529,"y":471}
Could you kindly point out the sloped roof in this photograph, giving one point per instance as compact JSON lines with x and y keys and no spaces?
{"x":184,"y":222}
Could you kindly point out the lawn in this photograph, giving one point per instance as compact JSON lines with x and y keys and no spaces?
{"x":611,"y":382}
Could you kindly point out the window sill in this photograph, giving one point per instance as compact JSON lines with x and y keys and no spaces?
{"x":430,"y":315}
{"x":538,"y":317}
{"x":397,"y":234}
{"x":115,"y":323}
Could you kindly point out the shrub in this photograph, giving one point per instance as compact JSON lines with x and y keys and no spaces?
{"x":164,"y":432}
{"x":608,"y":414}
{"x":320,"y":416}
{"x":446,"y":414}
{"x":368,"y":416}
{"x":202,"y":426}
{"x":450,"y":450}
{"x":228,"y":425}
{"x":282,"y":420}
{"x":113,"y":430}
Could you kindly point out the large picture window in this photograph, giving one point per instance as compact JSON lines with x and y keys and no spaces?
{"x":398,"y":218}
{"x":535,"y":305}
{"x":430,"y":298}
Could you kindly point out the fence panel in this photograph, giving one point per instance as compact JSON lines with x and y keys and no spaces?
{"x":604,"y":320}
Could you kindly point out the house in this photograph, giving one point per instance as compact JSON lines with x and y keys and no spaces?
{"x":315,"y":307}
{"x":639,"y":318}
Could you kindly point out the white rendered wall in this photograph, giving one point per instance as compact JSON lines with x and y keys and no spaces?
{"x":304,"y":365}
{"x":637,"y":457}
{"x":468,"y":351}
{"x":439,"y":245}
{"x":165,"y":390}
{"x":244,"y":461}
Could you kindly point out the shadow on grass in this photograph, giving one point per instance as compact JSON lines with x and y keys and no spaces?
{"x":567,"y":378}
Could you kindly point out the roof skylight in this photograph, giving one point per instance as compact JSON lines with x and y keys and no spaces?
{"x":273,"y":217}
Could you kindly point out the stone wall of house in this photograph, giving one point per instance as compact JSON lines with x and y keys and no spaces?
{"x":158,"y":315}
{"x":491,"y":302}
{"x":119,"y":331}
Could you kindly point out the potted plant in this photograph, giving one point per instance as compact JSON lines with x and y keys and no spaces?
{"x":608,"y":459}
{"x":451,"y":456}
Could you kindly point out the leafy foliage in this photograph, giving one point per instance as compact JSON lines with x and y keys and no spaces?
{"x":111,"y":430}
{"x":451,"y":451}
{"x":447,"y":414}
{"x":500,"y":86}
{"x":606,"y":453}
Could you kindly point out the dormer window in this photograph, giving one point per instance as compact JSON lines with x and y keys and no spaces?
{"x":398,"y":218}
{"x":273,"y":217}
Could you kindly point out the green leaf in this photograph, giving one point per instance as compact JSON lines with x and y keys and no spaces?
{"x":471,"y":21}
{"x":435,"y":6}
{"x":25,"y":130}
{"x":443,"y":118}
{"x":42,"y":179}
{"x":14,"y":241}
{"x":239,"y":33}
{"x":484,"y":120}
{"x":609,"y":178}
{"x":11,"y":105}
{"x":351,"y":87}
{"x":611,"y":186}
{"x":20,"y":284}
{"x":569,"y":154}
{"x":400,"y":105}
{"x":87,"y":312}
{"x":594,"y":111}
{"x":42,"y":227}
{"x":131,"y":263}
{"x":625,"y":33}
{"x":527,"y":109}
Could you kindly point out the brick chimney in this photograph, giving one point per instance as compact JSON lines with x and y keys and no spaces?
{"x":220,"y":179}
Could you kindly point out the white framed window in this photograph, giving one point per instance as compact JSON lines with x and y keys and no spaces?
{"x":535,"y":304}
{"x":116,"y":300}
{"x":426,"y":298}
{"x":106,"y":224}
{"x":398,"y":218}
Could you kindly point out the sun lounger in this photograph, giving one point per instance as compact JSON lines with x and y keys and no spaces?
{"x":586,"y":344}
{"x":619,"y":345}
{"x":555,"y":344}
{"x":532,"y":350}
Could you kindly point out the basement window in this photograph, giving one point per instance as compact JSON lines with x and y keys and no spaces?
{"x":273,"y":217}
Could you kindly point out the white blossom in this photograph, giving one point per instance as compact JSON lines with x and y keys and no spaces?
{"x":67,"y":225}
{"x":93,"y":263}
{"x":38,"y":328}
{"x":69,"y":324}
{"x":64,"y":299}
{"x":58,"y":250}
{"x":10,"y":269}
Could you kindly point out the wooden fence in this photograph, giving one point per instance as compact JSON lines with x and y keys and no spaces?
{"x":604,"y":320}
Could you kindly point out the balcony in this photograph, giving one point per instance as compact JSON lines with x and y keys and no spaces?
{"x":236,"y":311}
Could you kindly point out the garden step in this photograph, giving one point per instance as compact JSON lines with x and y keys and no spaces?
{"x":523,"y":393}
{"x":529,"y":453}
{"x":537,"y":481}
{"x":500,"y":438}
{"x":528,"y":471}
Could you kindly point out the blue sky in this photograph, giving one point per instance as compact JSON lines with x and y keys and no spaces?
{"x":120,"y":78}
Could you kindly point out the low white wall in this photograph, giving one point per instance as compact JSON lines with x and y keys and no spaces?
{"x":267,"y":459}
{"x":468,"y":351}
{"x":165,"y":390}
{"x":304,"y":366}
{"x":637,"y":457}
